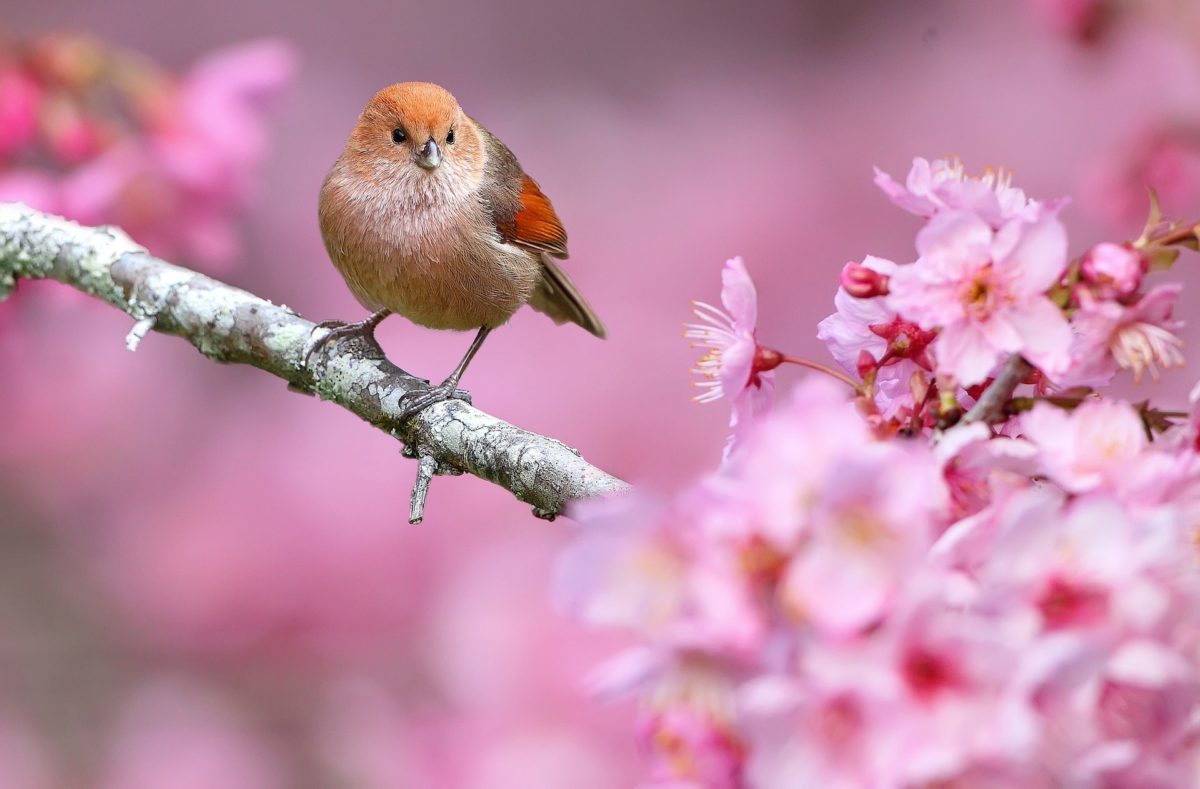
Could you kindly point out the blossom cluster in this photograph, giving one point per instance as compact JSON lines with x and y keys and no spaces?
{"x":103,"y":136}
{"x":953,"y":564}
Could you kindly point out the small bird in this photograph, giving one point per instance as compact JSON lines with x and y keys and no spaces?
{"x":429,"y":215}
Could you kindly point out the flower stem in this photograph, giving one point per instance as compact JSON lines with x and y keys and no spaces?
{"x":847,"y":380}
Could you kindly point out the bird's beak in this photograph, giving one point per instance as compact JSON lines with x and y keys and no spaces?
{"x":430,"y":156}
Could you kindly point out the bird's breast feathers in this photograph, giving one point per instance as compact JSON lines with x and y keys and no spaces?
{"x":436,"y":258}
{"x":412,"y":217}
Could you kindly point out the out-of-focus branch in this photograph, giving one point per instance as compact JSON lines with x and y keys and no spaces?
{"x":230,"y":325}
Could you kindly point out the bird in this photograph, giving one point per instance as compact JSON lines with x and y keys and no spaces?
{"x":428,"y":215}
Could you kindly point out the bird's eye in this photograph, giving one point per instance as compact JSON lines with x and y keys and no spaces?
{"x":398,"y":136}
{"x":450,"y":137}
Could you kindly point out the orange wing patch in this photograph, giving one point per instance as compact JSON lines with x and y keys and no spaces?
{"x":535,"y":225}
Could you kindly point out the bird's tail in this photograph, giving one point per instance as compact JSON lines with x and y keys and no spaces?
{"x":557,"y":296}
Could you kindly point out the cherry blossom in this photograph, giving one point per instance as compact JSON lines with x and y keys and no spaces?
{"x":734,"y":365}
{"x":874,"y":590}
{"x":941,"y":185}
{"x":1110,"y":336}
{"x":986,"y":291}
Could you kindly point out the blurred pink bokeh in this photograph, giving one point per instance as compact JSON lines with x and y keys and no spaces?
{"x":207,"y":580}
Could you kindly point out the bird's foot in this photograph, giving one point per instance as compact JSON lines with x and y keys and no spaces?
{"x":418,"y":401}
{"x":325,"y":331}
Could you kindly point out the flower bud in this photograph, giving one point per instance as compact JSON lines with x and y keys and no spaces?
{"x":1113,"y":270}
{"x":862,"y":282}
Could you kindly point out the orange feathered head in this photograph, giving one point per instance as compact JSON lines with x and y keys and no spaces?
{"x":417,"y":122}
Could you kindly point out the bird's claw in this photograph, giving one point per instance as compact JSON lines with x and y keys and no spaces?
{"x":325,"y":331}
{"x":321,"y":334}
{"x":418,"y":401}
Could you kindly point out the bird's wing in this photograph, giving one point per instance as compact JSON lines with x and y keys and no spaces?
{"x":534,"y":225}
{"x":525,"y":218}
{"x":521,"y":211}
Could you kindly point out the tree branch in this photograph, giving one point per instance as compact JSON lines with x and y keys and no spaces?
{"x":230,"y":325}
{"x":990,"y":405}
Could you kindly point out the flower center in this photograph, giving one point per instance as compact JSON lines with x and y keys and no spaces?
{"x":980,"y":294}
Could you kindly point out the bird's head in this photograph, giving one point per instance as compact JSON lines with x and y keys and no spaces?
{"x":417,"y":132}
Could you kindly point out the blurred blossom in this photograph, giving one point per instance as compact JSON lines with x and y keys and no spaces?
{"x":1083,"y":20}
{"x":687,"y":732}
{"x":1010,"y":602}
{"x":1164,"y":157}
{"x":113,"y":140}
{"x":19,"y":97}
{"x":977,"y":465}
{"x":1092,"y":446}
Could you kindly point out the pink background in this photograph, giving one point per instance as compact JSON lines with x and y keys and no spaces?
{"x":207,"y":580}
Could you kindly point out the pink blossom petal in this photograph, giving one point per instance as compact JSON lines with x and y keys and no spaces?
{"x":749,"y":407}
{"x":955,"y":235}
{"x":1038,"y":253}
{"x":908,"y":198}
{"x":738,"y":294}
{"x":1045,"y":335}
{"x":963,"y":351}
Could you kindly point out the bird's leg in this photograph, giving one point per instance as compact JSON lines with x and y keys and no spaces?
{"x":363,"y":328}
{"x":449,"y":388}
{"x":456,"y":376}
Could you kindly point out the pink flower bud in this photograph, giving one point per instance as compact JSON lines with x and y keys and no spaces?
{"x":1113,"y":270}
{"x":862,"y":282}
